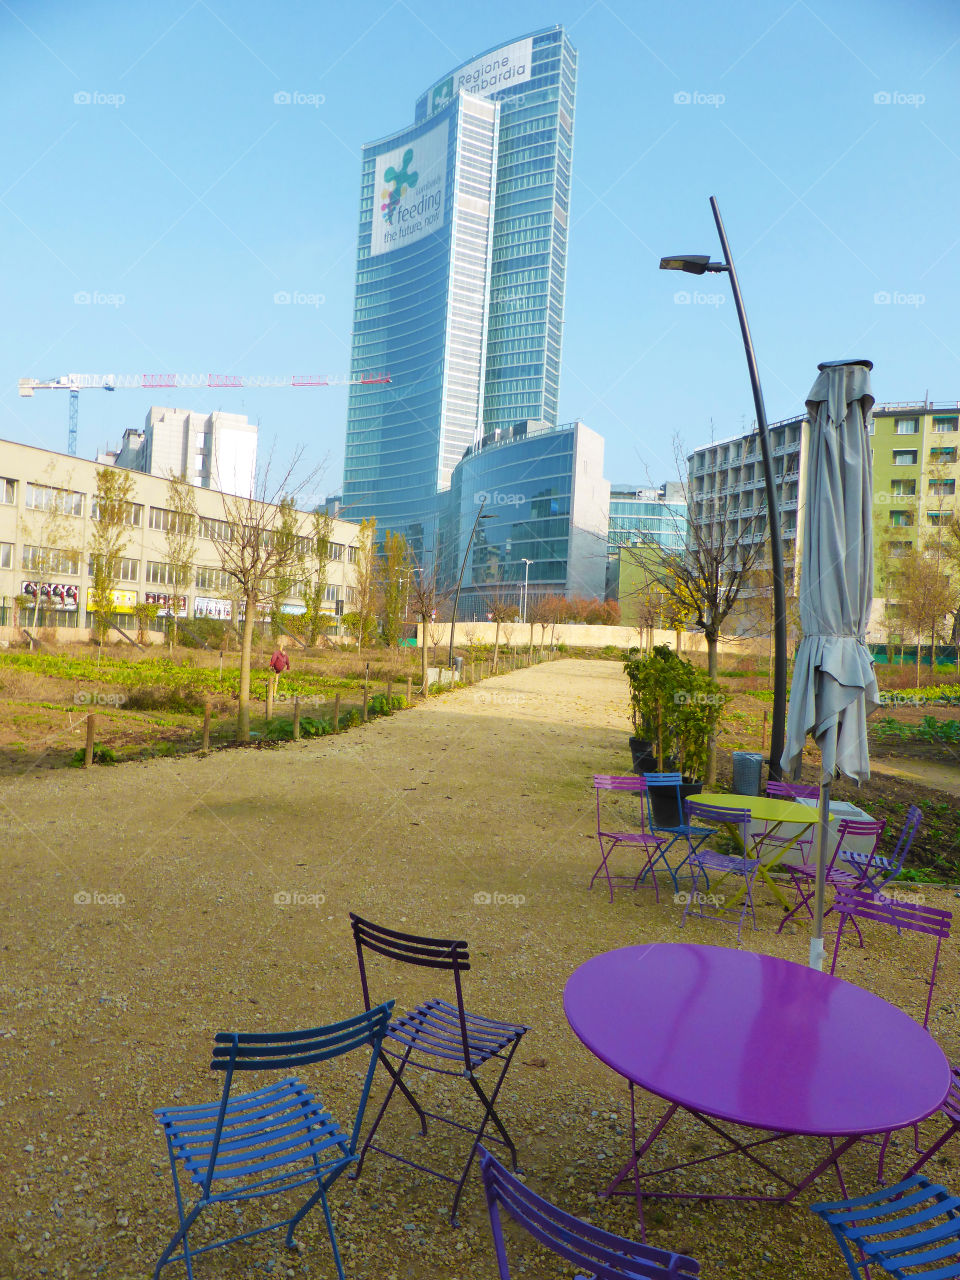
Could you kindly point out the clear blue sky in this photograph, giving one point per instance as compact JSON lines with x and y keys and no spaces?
{"x":198,"y":198}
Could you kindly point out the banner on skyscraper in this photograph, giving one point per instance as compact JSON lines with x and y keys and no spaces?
{"x":498,"y":70}
{"x":409,"y":187}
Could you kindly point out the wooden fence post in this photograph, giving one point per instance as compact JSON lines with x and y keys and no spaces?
{"x":336,"y":714}
{"x":296,"y":719}
{"x":409,"y":691}
{"x":389,"y":691}
{"x":88,"y":750}
{"x":269,"y":697}
{"x":364,"y":704}
{"x":206,"y":724}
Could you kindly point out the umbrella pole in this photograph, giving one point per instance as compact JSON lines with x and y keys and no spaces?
{"x":816,"y":940}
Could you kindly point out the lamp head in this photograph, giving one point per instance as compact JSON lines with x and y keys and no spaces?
{"x":695,"y":263}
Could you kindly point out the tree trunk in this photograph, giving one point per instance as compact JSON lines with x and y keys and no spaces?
{"x":496,"y":648}
{"x":246,"y":644}
{"x":423,"y":656}
{"x":530,"y":650}
{"x":712,"y":646}
{"x":918,"y":661}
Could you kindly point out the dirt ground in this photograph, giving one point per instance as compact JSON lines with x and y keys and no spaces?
{"x":144,"y":908}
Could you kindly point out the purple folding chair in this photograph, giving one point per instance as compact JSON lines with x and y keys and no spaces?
{"x":440,"y":1037}
{"x":787,"y":791}
{"x":650,"y":845}
{"x":704,"y":862}
{"x":950,"y":1109}
{"x":602,"y":1255}
{"x":874,"y":870}
{"x":852,"y":903}
{"x":804,"y":875}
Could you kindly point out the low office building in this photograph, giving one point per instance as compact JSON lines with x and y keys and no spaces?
{"x":545,"y":508}
{"x":640,"y":517}
{"x":47,"y":521}
{"x":213,"y":450}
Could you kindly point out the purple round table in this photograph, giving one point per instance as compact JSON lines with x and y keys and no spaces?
{"x":756,"y":1041}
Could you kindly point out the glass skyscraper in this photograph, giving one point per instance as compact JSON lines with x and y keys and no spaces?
{"x":460,"y":277}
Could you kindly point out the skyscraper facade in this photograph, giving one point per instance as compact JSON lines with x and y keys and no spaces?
{"x":460,"y":277}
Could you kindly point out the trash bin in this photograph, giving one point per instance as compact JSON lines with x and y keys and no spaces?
{"x":458,"y":667}
{"x":747,"y":769}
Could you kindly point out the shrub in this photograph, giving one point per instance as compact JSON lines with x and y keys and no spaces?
{"x":101,"y":755}
{"x":156,"y":698}
{"x":204,"y":633}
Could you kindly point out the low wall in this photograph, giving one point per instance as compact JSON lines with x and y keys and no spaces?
{"x":582,"y":636}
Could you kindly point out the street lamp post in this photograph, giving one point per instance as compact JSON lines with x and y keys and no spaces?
{"x":526,"y":572}
{"x":697,"y":264}
{"x":456,"y":598}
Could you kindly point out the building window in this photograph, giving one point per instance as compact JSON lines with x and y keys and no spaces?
{"x":903,"y":488}
{"x":65,"y":502}
{"x":170,"y":521}
{"x":938,"y":517}
{"x":6,"y":555}
{"x":213,"y":580}
{"x":943,"y":454}
{"x":50,"y":560}
{"x":945,"y":424}
{"x":132,"y":513}
{"x":331,"y":595}
{"x":351,"y":555}
{"x":8,"y":491}
{"x":898,"y":549}
{"x":127,"y":570}
{"x":943,"y":486}
{"x":908,"y":426}
{"x":901,"y":519}
{"x":904,"y":457}
{"x":335,"y":551}
{"x":305,"y":546}
{"x":161,"y":573}
{"x":216,"y":530}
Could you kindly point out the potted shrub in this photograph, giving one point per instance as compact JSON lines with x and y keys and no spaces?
{"x":675,"y":708}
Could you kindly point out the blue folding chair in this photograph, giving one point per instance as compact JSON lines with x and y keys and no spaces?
{"x":704,"y":862}
{"x":672,"y":824}
{"x":602,"y":1255}
{"x":253,"y":1145}
{"x":910,"y":1230}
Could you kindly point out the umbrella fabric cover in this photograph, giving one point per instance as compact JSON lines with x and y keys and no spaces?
{"x":834,"y":688}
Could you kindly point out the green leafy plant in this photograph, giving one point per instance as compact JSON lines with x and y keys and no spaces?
{"x":101,"y":755}
{"x":674,"y":705}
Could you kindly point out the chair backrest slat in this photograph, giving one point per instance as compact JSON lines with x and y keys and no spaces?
{"x":265,"y":1051}
{"x":619,"y":782}
{"x":867,"y":905}
{"x":792,"y":790}
{"x":604,"y":1255}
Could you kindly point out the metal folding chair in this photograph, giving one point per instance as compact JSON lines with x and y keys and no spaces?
{"x":704,"y":862}
{"x":777,"y":790}
{"x":853,"y":904}
{"x":951,"y":1110}
{"x":876,"y":871}
{"x":602,"y":1255}
{"x":249,"y":1146}
{"x":436,"y":1030}
{"x":650,"y":845}
{"x":673,"y":825}
{"x":911,"y":1229}
{"x":804,"y":875}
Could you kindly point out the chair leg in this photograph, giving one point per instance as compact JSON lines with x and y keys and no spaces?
{"x":603,"y":866}
{"x":489,"y":1114}
{"x":395,"y":1083}
{"x":321,"y":1195}
{"x":932,"y":1151}
{"x":180,"y":1235}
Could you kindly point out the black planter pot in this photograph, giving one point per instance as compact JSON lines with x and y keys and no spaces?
{"x":663,"y":802}
{"x":644,"y":756}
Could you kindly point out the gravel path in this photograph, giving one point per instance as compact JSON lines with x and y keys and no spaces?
{"x":141,"y":916}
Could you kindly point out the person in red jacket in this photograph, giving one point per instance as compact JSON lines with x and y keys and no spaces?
{"x":278,"y":664}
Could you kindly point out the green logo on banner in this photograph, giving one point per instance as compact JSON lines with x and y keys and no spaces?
{"x":441,"y":95}
{"x":402,"y":180}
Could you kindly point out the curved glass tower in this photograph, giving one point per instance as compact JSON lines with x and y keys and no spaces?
{"x":460,"y":277}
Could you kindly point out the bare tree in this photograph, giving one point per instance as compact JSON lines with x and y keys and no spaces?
{"x":502,"y":608}
{"x":925,"y":597}
{"x":365,"y":585}
{"x":393,"y":567}
{"x":180,"y":538}
{"x":315,"y":570}
{"x":256,"y":544}
{"x":111,"y":518}
{"x":427,"y":602}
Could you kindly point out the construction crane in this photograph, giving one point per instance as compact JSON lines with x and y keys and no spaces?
{"x":77,"y":382}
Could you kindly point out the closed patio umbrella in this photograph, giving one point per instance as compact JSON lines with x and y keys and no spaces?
{"x":834,"y":688}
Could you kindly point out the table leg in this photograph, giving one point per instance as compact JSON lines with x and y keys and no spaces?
{"x":764,"y":868}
